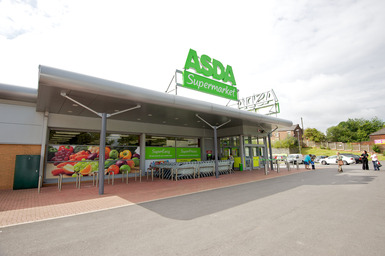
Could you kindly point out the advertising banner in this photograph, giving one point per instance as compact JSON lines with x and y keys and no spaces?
{"x":382,"y":141}
{"x":160,"y":153}
{"x":73,"y":160}
{"x":188,"y":153}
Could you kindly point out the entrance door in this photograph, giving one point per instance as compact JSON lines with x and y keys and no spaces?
{"x":253,"y":155}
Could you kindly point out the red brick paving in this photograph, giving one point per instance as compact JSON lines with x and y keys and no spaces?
{"x":23,"y":206}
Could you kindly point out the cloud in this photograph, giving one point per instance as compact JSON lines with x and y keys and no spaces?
{"x":324,"y":59}
{"x":21,"y":17}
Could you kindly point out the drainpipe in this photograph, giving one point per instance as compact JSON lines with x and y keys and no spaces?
{"x":42,"y":150}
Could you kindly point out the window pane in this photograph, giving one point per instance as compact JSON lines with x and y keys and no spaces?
{"x":187,"y":142}
{"x":160,"y":141}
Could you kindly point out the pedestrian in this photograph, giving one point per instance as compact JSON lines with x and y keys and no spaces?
{"x":307,"y":161}
{"x":375,"y":161}
{"x":231,"y":158}
{"x":312,"y":162}
{"x":364,"y":158}
{"x":339,"y":162}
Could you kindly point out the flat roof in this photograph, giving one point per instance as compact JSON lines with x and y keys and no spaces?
{"x":105,"y":96}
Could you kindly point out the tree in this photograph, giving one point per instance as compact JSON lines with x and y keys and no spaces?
{"x":288,"y":142}
{"x":354,"y":130}
{"x":314,"y":135}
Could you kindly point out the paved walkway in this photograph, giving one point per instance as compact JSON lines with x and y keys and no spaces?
{"x":24,"y":206}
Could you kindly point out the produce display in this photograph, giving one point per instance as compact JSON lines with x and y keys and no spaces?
{"x":84,"y":160}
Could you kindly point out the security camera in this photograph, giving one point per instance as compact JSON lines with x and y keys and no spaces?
{"x":261,"y":131}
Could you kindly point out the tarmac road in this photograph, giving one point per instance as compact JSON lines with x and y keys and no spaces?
{"x":319,"y":213}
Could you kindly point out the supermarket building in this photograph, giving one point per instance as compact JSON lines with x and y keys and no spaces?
{"x":68,"y":109}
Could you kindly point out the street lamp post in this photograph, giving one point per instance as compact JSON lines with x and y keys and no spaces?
{"x":299,"y":143}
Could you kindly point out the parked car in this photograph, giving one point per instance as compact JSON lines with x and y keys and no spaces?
{"x":333,"y":160}
{"x":356,"y":157}
{"x":319,"y":158}
{"x":280,"y":156}
{"x":294,"y":158}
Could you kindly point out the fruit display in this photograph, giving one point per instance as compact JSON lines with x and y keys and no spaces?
{"x":126,"y":154}
{"x":61,"y":155}
{"x":124,"y":168}
{"x":114,"y":154}
{"x":113,"y":168}
{"x":131,"y":163}
{"x":84,"y":160}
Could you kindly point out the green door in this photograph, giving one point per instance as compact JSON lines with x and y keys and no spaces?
{"x":26,"y":171}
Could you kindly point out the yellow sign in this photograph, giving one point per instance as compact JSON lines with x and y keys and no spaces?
{"x":237,"y":161}
{"x":256,"y":161}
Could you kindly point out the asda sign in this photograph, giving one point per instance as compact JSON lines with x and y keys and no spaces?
{"x":208,"y":68}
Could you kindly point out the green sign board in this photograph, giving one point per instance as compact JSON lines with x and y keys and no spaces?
{"x":209,"y":68}
{"x":206,"y":85}
{"x":160,"y":153}
{"x":188,"y":153}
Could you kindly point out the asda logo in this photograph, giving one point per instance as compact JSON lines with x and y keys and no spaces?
{"x":209,"y":67}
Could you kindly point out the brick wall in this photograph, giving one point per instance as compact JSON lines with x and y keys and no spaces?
{"x":8,"y":154}
{"x":378,"y":137}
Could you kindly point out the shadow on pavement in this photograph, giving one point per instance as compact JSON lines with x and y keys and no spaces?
{"x":188,"y":207}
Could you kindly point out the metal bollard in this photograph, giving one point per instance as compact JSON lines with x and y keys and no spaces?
{"x":112,"y":178}
{"x":94,"y":176}
{"x":266,"y":171}
{"x":60,"y":181}
{"x":297,"y":165}
{"x":288,"y":165}
{"x":39,"y":185}
{"x":277,"y":166}
{"x":78,"y":180}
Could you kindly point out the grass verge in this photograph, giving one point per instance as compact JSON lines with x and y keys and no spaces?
{"x":329,"y":152}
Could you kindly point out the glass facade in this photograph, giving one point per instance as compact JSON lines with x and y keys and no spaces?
{"x":229,"y":145}
{"x":73,"y":153}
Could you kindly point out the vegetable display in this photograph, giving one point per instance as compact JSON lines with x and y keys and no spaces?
{"x":126,"y":154}
{"x":84,"y":160}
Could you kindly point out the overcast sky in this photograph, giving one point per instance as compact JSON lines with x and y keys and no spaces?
{"x":324,"y":59}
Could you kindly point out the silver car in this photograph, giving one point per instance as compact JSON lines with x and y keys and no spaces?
{"x":333,"y":160}
{"x":294,"y":158}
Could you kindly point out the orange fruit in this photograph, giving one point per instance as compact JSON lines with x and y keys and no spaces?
{"x":86,"y":170}
{"x":114,"y":168}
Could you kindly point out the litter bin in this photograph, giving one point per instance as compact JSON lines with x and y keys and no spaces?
{"x":240,"y":167}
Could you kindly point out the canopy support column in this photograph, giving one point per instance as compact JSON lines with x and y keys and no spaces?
{"x":102,"y":146}
{"x":142,"y":144}
{"x":102,"y":153}
{"x":216,"y":152}
{"x":270,"y":149}
{"x":215,"y":141}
